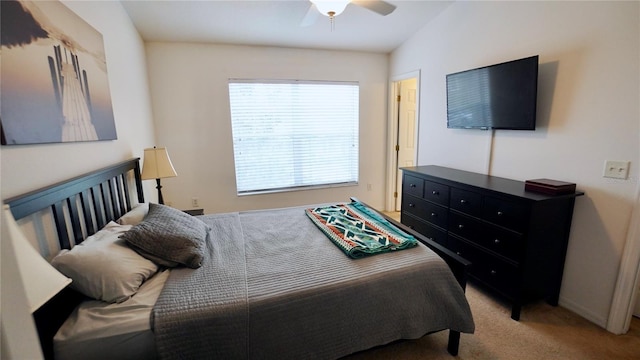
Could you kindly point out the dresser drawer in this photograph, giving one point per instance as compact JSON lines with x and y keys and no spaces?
{"x":505,"y":213}
{"x":465,"y":226}
{"x":506,"y":243}
{"x":467,"y":202}
{"x":412,"y":185}
{"x":425,"y":210}
{"x":499,"y":274}
{"x":429,"y":231}
{"x":503,"y":242}
{"x":436,"y":193}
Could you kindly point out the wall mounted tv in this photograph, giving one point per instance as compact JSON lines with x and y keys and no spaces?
{"x":501,"y":96}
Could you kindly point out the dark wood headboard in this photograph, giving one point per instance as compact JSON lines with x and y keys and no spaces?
{"x":84,"y":204}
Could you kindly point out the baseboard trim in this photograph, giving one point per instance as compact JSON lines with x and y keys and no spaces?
{"x":597,"y":319}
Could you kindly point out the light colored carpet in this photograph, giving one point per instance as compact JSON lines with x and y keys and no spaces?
{"x":543,"y":332}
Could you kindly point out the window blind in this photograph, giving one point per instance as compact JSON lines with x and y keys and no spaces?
{"x":294,"y":134}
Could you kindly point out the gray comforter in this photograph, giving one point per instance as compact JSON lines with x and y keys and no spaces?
{"x":272,"y":286}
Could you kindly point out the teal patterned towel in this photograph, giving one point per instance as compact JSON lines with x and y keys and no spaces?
{"x":358,"y":230}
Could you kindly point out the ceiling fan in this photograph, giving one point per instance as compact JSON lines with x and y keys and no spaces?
{"x":333,"y":8}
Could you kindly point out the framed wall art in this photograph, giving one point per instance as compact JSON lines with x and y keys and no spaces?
{"x":53,"y":76}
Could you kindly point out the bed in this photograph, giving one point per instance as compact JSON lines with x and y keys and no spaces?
{"x":269,"y":284}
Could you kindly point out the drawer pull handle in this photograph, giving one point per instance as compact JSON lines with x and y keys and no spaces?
{"x":435,"y":192}
{"x":493,"y":272}
{"x":434,"y":214}
{"x":496,"y":241}
{"x":499,"y":213}
{"x":412,"y":205}
{"x":412,"y":185}
{"x":461,"y":226}
{"x":463,"y":201}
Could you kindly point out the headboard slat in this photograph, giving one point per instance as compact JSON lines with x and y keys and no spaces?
{"x":86,"y":211}
{"x":96,"y":196}
{"x":138,"y":177}
{"x":116,"y":195}
{"x":125,"y":190}
{"x":107,"y":199}
{"x":75,"y":218}
{"x":61,"y":225}
{"x":117,"y":192}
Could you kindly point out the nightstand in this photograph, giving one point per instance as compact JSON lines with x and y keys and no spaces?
{"x":194,"y":212}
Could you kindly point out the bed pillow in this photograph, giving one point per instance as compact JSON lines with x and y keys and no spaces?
{"x":104,"y":267}
{"x":169,"y":237}
{"x":135,"y":215}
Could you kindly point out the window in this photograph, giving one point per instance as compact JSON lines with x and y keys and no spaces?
{"x":294,"y":134}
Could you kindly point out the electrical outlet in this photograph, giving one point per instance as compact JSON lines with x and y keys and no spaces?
{"x":616,"y":169}
{"x":195,"y":202}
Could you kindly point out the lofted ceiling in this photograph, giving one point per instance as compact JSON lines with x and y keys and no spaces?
{"x":278,"y":23}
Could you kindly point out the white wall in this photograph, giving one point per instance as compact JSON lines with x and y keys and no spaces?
{"x":28,"y":167}
{"x":587,"y":113}
{"x":189,"y":87}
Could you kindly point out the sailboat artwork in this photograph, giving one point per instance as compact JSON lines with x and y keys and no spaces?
{"x":54,"y":84}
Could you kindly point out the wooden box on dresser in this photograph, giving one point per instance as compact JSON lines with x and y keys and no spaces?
{"x":515,"y":239}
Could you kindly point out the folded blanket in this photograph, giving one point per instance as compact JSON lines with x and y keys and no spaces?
{"x":358,"y":230}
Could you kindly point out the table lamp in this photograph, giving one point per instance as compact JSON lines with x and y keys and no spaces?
{"x":157,"y":165}
{"x":40,"y":279}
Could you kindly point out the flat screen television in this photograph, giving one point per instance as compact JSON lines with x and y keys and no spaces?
{"x":500,"y":96}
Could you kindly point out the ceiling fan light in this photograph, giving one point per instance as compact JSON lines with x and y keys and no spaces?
{"x":326,"y":7}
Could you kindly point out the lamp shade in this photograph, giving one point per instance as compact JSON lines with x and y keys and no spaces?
{"x":327,"y":6}
{"x":41,"y":281}
{"x":157,"y":164}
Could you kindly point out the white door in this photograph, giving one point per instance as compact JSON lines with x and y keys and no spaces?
{"x":407,"y":119}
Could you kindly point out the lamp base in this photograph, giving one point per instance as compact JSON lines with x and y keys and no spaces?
{"x":159,"y":187}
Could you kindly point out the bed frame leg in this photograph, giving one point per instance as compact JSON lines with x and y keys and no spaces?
{"x":454,"y":342}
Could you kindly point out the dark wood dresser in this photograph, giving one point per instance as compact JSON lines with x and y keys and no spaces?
{"x":515,"y":239}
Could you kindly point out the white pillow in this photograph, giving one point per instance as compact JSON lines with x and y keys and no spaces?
{"x":135,"y":216}
{"x":104,"y":267}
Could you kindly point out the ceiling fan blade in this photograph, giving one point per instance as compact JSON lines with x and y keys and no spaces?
{"x":311,"y":16}
{"x":378,"y":6}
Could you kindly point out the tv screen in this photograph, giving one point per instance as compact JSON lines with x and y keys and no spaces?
{"x":501,"y":96}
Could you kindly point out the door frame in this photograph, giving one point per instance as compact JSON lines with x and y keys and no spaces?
{"x":392,"y":133}
{"x":624,"y":296}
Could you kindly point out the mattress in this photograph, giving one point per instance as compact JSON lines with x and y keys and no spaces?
{"x":100,"y":330}
{"x":273,"y":286}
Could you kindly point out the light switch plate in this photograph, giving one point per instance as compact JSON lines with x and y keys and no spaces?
{"x":616,"y":169}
